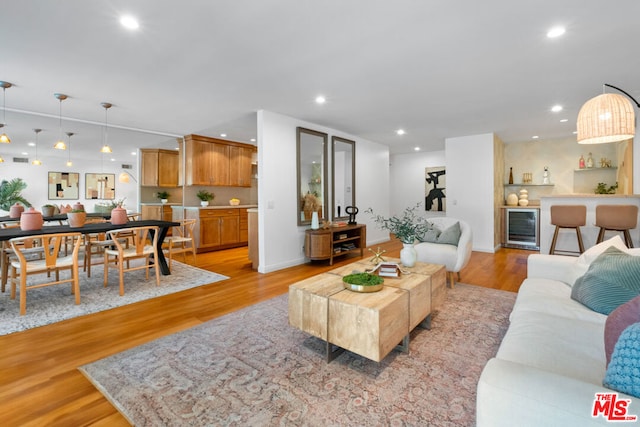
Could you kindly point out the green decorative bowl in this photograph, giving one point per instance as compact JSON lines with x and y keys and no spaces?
{"x":363,"y":282}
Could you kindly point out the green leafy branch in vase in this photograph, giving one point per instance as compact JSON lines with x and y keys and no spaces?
{"x":407,"y":227}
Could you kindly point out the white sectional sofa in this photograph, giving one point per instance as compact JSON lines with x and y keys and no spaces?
{"x":551,"y":362}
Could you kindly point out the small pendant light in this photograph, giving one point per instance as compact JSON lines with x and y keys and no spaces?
{"x":105,"y":147}
{"x":4,"y":138}
{"x":69,"y":162}
{"x":60,"y":145}
{"x":37,"y":162}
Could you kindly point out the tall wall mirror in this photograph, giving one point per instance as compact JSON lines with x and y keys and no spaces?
{"x":343,"y":171}
{"x":311,"y":154}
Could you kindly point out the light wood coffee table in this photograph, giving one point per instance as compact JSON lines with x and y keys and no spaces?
{"x":368,"y":324}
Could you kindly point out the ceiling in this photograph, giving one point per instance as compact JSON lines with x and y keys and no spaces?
{"x":436,"y":68}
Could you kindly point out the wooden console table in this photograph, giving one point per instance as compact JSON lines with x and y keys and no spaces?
{"x":335,"y":241}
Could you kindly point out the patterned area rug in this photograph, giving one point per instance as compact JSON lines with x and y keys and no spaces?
{"x":251,"y":368}
{"x":55,"y":303}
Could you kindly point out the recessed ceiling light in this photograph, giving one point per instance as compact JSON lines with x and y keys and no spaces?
{"x":24,"y":153}
{"x":31,"y":144}
{"x":564,"y":120}
{"x":112,"y":159}
{"x":535,"y":137}
{"x":252,"y":140}
{"x":556,"y":108}
{"x":320,"y":99}
{"x":416,"y":149}
{"x":224,"y":135}
{"x":400,"y":132}
{"x":556,"y":32}
{"x":133,"y":153}
{"x":575,"y":132}
{"x":129,"y":22}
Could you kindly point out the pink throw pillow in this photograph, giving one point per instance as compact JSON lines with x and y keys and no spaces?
{"x":623,"y":316}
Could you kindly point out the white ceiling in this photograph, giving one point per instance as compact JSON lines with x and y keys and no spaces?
{"x":436,"y":68}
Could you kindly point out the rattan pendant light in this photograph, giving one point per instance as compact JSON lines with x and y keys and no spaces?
{"x":606,"y":118}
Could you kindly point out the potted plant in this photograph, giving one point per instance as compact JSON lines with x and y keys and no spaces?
{"x":407,"y":227}
{"x":11,"y":193}
{"x":163,"y":196}
{"x":48,"y":210}
{"x":205,"y":197}
{"x":76,"y":218}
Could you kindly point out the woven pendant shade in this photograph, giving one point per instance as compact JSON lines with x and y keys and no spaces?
{"x":606,"y":118}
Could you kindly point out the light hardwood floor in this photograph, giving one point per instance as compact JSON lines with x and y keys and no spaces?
{"x":39,"y":381}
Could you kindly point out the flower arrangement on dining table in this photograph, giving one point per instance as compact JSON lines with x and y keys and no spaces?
{"x":407,"y":227}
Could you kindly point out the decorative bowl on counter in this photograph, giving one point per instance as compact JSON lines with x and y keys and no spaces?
{"x":234,"y":202}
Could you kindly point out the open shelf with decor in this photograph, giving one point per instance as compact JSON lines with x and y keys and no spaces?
{"x":335,"y":241}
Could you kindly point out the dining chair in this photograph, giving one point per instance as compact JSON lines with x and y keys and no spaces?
{"x":143,"y":245}
{"x":94,"y":244}
{"x":51,"y":261}
{"x":8,"y":254}
{"x":181,"y":240}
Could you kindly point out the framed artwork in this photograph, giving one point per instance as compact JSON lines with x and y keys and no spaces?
{"x":101,"y":186}
{"x":434,"y":189}
{"x":64,"y":186}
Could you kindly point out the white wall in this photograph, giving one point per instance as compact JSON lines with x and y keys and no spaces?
{"x":280,"y":239}
{"x":36,"y":178}
{"x":408,"y":180}
{"x":470,"y":187}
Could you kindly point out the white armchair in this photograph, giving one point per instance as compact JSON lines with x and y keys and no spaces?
{"x":455,"y":258}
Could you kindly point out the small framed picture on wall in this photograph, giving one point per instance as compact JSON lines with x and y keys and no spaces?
{"x":100,"y":186}
{"x":64,"y":186}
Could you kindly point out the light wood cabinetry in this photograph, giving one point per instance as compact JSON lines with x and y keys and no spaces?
{"x":219,"y":228}
{"x":335,"y":241}
{"x":243,"y":229}
{"x":159,"y":212}
{"x":240,"y":166}
{"x":159,"y":168}
{"x":211,"y":161}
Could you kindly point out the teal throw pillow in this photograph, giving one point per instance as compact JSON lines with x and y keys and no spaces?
{"x":450,"y":236}
{"x":623,"y":373}
{"x":613,"y":279}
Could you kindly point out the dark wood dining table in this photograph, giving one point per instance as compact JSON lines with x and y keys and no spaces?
{"x":100,"y":227}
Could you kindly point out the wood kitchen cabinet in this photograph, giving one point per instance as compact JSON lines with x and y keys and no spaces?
{"x":216,"y":228}
{"x":243,"y":233}
{"x":240,"y":166}
{"x":159,"y":168}
{"x":159,"y":212}
{"x":211,"y":161}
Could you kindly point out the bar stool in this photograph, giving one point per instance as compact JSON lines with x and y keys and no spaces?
{"x":616,"y":218}
{"x":568,"y":216}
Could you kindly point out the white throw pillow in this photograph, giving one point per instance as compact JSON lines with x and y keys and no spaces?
{"x":594,"y":252}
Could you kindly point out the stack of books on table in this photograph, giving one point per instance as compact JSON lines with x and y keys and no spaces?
{"x":388,"y":269}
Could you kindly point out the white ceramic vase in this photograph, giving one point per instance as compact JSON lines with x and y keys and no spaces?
{"x":315,"y":223}
{"x":408,"y":255}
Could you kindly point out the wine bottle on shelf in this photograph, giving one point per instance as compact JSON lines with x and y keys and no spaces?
{"x":510,"y":175}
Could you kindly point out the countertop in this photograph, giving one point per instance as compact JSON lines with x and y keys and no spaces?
{"x":222,"y":207}
{"x":158,"y":204}
{"x":590,"y":195}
